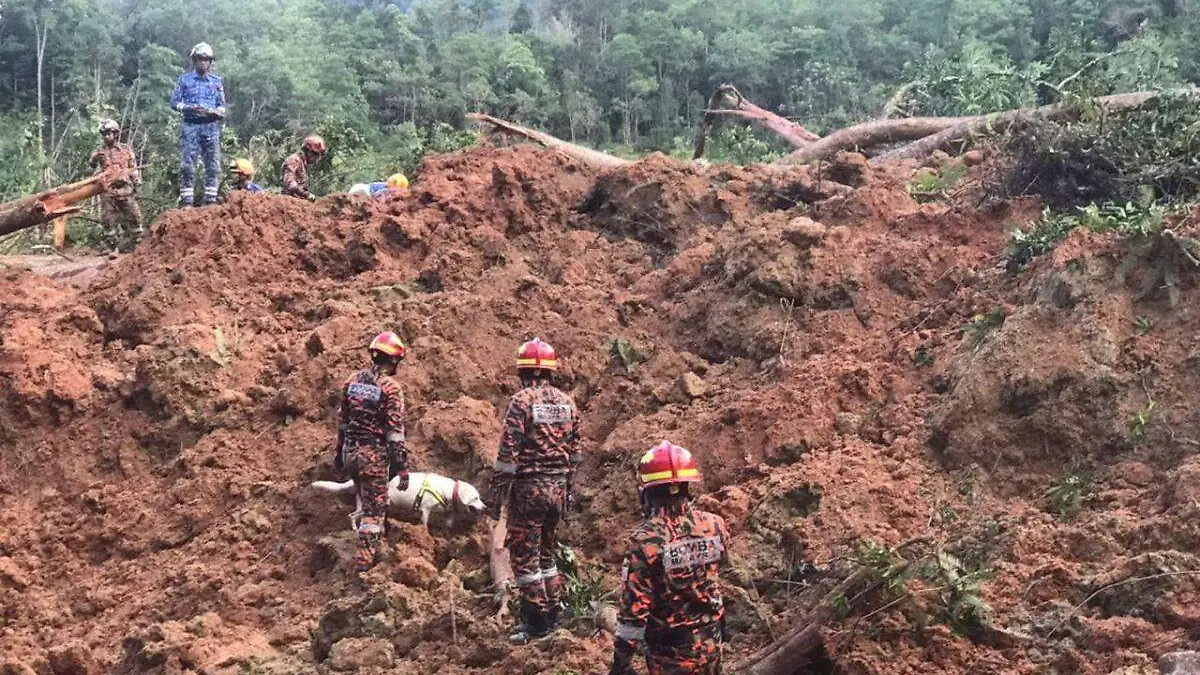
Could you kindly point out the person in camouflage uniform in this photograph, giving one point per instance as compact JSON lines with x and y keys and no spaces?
{"x":370,"y":444}
{"x":119,"y":212}
{"x":671,"y":604}
{"x":295,"y":168}
{"x":539,"y":451}
{"x":199,"y":97}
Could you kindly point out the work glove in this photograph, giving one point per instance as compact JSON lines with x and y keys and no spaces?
{"x":398,"y":466}
{"x":493,"y":508}
{"x":497,"y":495}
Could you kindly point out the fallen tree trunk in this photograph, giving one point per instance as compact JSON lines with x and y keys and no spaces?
{"x":933,"y":133}
{"x":792,"y":132}
{"x":57,"y":202}
{"x":871,"y":134}
{"x":46,"y":206}
{"x":586,"y":156}
{"x":782,"y":656}
{"x":999,"y":122}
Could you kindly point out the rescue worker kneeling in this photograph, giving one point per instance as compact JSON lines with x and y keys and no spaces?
{"x":670,"y":600}
{"x":370,"y":446}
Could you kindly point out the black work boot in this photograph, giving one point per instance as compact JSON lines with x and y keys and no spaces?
{"x":534,"y":625}
{"x":557,"y":610}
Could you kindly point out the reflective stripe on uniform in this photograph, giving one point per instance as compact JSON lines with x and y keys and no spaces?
{"x":681,"y":473}
{"x":366,"y":527}
{"x":550,"y":572}
{"x":630,"y":632}
{"x":505,"y":467}
{"x":395,"y":437}
{"x":529,"y":579}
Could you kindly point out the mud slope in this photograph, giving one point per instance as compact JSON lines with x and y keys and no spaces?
{"x":802,"y":332}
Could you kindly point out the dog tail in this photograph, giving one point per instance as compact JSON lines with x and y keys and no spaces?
{"x":332,"y":486}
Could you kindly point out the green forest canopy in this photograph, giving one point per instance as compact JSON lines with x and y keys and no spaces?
{"x":386,"y":82}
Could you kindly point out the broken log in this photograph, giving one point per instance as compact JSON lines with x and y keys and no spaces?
{"x":792,"y":132}
{"x":587,"y":156}
{"x":934,"y":133}
{"x":871,"y":134}
{"x":56,"y":202}
{"x":46,"y":206}
{"x":782,"y":656}
{"x":999,"y":122}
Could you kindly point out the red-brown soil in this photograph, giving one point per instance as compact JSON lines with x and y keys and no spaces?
{"x":162,"y":417}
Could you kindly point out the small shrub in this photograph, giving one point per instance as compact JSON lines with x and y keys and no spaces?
{"x":1142,"y":325}
{"x":625,"y":354}
{"x":929,"y":185}
{"x":1130,"y":220}
{"x":1139,"y":422}
{"x":981,"y":325}
{"x":584,"y":588}
{"x":1068,"y":497}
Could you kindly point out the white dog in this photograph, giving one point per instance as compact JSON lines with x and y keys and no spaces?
{"x":425,"y":493}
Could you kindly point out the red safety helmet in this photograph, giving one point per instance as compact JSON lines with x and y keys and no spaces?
{"x":667,"y":463}
{"x":389,"y":343}
{"x":536,"y":354}
{"x":315,"y":143}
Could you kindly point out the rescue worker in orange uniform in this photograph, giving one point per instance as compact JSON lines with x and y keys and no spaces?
{"x":534,"y":474}
{"x":295,"y":167}
{"x":671,"y":606}
{"x":370,"y":445}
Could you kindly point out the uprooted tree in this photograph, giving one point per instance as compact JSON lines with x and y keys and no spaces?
{"x":918,"y":136}
{"x":795,"y":134}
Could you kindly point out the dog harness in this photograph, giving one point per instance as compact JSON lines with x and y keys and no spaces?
{"x":427,"y":489}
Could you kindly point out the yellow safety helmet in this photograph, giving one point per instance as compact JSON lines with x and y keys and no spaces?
{"x":397,"y":181}
{"x":242,"y":166}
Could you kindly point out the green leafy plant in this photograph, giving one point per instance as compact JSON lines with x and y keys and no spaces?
{"x":1139,"y":423}
{"x":625,"y":353}
{"x":961,"y":604}
{"x":584,"y":588}
{"x":1068,"y":496}
{"x":1130,"y":220}
{"x":1142,"y":325}
{"x":980,"y":325}
{"x":932,"y":184}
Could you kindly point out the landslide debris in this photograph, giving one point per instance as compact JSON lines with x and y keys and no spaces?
{"x":850,"y":366}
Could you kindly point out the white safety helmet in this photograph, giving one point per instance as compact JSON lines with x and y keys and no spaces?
{"x":360,"y":189}
{"x":109,"y":125}
{"x":202,"y":51}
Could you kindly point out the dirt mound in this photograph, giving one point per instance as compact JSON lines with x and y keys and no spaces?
{"x":851,"y":367}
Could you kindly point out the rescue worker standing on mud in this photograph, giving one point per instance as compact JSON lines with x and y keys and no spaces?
{"x":200,"y":97}
{"x":295,"y":168}
{"x":539,"y":451}
{"x":670,"y":600}
{"x":119,"y":212}
{"x":370,"y":445}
